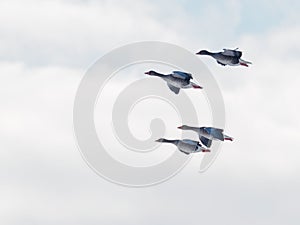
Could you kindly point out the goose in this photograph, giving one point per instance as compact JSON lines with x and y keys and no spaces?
{"x":227,"y":57}
{"x":176,"y":80}
{"x":186,"y":146}
{"x":208,"y":134}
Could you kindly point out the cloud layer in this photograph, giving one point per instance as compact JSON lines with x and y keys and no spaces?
{"x":45,"y":47}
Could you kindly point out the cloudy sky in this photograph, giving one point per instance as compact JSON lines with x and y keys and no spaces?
{"x":45,"y":49}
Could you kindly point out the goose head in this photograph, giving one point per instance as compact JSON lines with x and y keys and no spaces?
{"x":151,"y":73}
{"x":161,"y":140}
{"x":184,"y":127}
{"x":203,"y":52}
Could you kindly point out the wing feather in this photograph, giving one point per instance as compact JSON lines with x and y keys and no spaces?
{"x":230,"y":52}
{"x":207,"y":142}
{"x":173,"y":88}
{"x":182,"y":75}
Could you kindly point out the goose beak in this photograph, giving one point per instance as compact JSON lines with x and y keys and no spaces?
{"x":148,"y":73}
{"x":179,"y":127}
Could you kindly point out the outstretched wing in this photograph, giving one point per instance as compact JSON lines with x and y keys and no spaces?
{"x":207,"y":142}
{"x":215,"y":132}
{"x":182,"y":75}
{"x":187,"y":153}
{"x":221,"y":63}
{"x":190,"y":142}
{"x":244,"y":61}
{"x":230,"y":52}
{"x":173,"y":88}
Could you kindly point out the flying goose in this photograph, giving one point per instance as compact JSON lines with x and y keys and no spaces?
{"x":186,"y":146}
{"x":227,"y":57}
{"x":208,"y":134}
{"x":176,"y":80}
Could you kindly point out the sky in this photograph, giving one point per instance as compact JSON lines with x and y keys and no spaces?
{"x":47,"y":46}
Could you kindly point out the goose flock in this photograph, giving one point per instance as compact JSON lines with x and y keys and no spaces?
{"x":181,"y":80}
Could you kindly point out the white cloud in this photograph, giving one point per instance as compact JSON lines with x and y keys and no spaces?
{"x":44,"y":49}
{"x":56,"y":32}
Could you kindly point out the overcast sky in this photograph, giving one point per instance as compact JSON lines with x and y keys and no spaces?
{"x":45,"y":49}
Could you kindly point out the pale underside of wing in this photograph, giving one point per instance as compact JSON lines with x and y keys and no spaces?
{"x":187,"y":153}
{"x":173,"y":88}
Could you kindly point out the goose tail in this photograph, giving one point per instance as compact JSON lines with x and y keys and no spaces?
{"x":196,"y":86}
{"x":244,"y":62}
{"x":228,"y":138}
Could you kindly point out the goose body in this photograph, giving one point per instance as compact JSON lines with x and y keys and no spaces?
{"x":186,"y":146}
{"x":227,"y":57}
{"x":208,"y":134}
{"x":176,"y":80}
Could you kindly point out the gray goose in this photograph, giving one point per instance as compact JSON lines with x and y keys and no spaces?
{"x":176,"y":80}
{"x":227,"y":57}
{"x":186,"y":146}
{"x":208,"y":134}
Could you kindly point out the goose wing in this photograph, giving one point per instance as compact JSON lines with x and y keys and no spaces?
{"x":230,"y":52}
{"x":215,"y":132}
{"x":221,"y":63}
{"x":173,"y":88}
{"x":182,"y":75}
{"x":244,"y":61}
{"x":187,"y":153}
{"x":190,"y":142}
{"x":207,"y":142}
